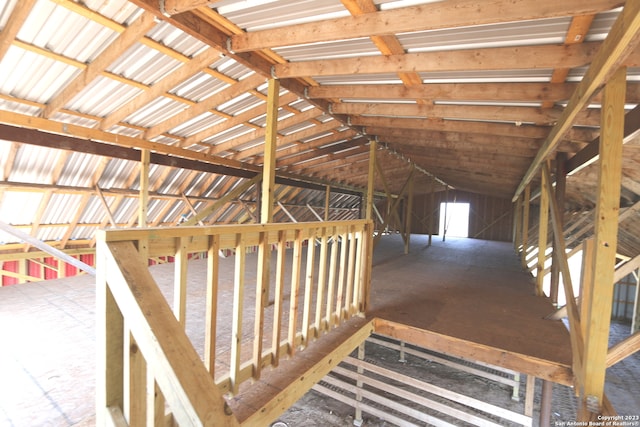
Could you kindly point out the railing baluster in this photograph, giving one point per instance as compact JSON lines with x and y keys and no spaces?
{"x":135,"y":391}
{"x":308,"y":287}
{"x":238,"y":297}
{"x":262,"y":292}
{"x":295,"y":289}
{"x":211,"y":312}
{"x":277,"y":302}
{"x":180,"y":281}
{"x":357,"y":287}
{"x":331,"y":287}
{"x":350,"y":273}
{"x":322,"y":282}
{"x":344,"y":247}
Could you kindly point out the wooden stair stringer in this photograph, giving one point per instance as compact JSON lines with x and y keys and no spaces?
{"x":279,"y":388}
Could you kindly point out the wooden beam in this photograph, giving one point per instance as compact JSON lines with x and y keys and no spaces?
{"x":228,"y":197}
{"x":458,"y":347}
{"x":498,"y":58}
{"x":172,"y":7}
{"x":460,"y":13}
{"x":623,"y":349}
{"x":542,"y":235}
{"x":620,"y":43}
{"x":13,"y":25}
{"x":606,"y":230}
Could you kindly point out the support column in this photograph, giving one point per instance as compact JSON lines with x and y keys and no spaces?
{"x":407,"y":221}
{"x":266,"y":216}
{"x":517,"y":224}
{"x":269,"y":166}
{"x":545,"y":403}
{"x":561,"y":185}
{"x":370,"y":179}
{"x":446,"y":203}
{"x":327,"y":203}
{"x":598,"y":307}
{"x":144,"y":188}
{"x":433,"y":207}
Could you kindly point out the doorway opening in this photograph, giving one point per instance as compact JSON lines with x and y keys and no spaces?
{"x":454,"y":219}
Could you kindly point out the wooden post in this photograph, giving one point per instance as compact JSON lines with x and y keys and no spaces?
{"x":433,"y":207}
{"x":370,"y":179}
{"x":446,"y":204}
{"x":266,"y":216}
{"x":269,"y":166}
{"x":598,"y":307}
{"x":542,"y":235}
{"x":517,"y":224}
{"x":144,"y":188}
{"x":408,"y":214}
{"x":561,"y":185}
{"x":327,"y":202}
{"x":525,"y":224}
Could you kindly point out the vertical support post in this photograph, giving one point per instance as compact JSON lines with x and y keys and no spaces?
{"x":517,"y":224}
{"x":433,"y":207}
{"x":266,"y":216}
{"x":542,"y":235}
{"x":530,"y":393}
{"x":109,"y":344}
{"x":408,"y":213}
{"x":327,"y":202}
{"x":144,"y":188}
{"x":606,"y":236}
{"x":370,"y":179}
{"x":269,"y":166}
{"x":525,"y":224}
{"x":446,"y":204}
{"x":545,"y":403}
{"x":357,"y":421}
{"x":561,"y":186}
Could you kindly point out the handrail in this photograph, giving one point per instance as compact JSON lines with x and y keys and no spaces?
{"x":324,"y":266}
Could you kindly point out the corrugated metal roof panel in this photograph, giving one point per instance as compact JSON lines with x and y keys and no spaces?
{"x":156,"y":112}
{"x":254,"y":16}
{"x":354,"y":79}
{"x":117,"y":173}
{"x":538,"y":75}
{"x":79,"y":169}
{"x":329,"y":50}
{"x":199,"y":87}
{"x":176,"y":39}
{"x":601,"y":25}
{"x":144,"y":64}
{"x":34,"y":164}
{"x":541,"y":31}
{"x":102,"y":97}
{"x":121,"y":11}
{"x":34,"y":77}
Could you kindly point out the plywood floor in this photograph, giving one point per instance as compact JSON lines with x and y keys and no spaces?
{"x":473,"y":290}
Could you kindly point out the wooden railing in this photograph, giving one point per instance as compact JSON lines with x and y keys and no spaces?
{"x":146,"y":360}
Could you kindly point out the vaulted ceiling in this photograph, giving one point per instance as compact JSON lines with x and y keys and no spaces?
{"x":475,"y":94}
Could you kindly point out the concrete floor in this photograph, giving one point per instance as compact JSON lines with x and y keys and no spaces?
{"x":47,"y":350}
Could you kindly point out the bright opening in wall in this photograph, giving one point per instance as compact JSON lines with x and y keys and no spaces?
{"x":454,"y":219}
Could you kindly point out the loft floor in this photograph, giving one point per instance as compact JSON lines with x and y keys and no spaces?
{"x":470,"y":298}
